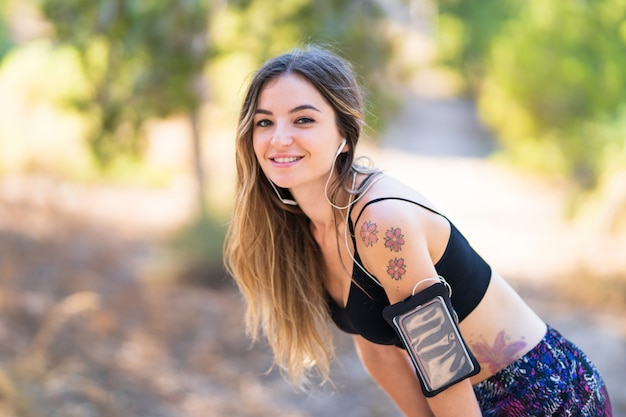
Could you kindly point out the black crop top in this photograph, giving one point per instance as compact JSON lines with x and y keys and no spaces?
{"x":466,"y":272}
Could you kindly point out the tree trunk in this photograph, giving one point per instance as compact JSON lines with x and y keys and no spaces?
{"x":198,"y":164}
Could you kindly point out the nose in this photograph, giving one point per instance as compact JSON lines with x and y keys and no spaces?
{"x":282,"y":135}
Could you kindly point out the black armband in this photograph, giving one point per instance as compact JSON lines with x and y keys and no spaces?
{"x":425,"y":322}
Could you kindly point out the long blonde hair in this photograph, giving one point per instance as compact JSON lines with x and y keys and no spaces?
{"x":270,"y":250}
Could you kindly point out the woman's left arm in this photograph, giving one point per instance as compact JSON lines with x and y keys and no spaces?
{"x":401,"y":260}
{"x":390,"y":367}
{"x":457,"y":400}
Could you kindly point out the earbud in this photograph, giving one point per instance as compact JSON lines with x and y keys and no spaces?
{"x":343,"y":143}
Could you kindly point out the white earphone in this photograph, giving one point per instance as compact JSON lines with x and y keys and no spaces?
{"x":343,"y":143}
{"x":286,"y":201}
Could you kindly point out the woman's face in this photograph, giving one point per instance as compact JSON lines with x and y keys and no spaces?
{"x":295,"y":134}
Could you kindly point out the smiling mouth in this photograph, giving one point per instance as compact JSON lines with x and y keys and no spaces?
{"x":286,"y":160}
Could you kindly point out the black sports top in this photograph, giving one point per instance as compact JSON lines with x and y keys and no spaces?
{"x":466,"y":272}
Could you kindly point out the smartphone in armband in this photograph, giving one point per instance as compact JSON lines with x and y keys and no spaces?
{"x":426,"y":326}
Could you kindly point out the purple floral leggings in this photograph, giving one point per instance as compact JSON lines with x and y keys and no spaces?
{"x":554,"y":379}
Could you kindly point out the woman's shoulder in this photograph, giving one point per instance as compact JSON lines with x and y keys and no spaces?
{"x":388,"y":197}
{"x":391,"y":225}
{"x":390,"y":205}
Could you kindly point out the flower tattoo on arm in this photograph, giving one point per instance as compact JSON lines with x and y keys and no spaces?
{"x":396,"y":268}
{"x":394,"y":239}
{"x":368,"y":233}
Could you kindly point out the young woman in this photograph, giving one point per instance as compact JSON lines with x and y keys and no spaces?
{"x":315,"y":238}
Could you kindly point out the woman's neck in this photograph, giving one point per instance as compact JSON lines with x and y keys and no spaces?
{"x":325,"y":218}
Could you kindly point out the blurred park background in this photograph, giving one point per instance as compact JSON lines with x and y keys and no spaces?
{"x":117,"y":122}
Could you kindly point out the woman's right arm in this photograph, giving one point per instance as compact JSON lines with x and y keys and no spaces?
{"x":390,"y":367}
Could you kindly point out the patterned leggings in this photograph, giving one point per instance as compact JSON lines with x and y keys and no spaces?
{"x":554,"y":379}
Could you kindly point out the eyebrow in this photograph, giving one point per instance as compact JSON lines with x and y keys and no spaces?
{"x":294,"y":110}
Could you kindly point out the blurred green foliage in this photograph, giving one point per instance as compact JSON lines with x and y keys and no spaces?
{"x":549,"y":76}
{"x":550,"y":79}
{"x":140,"y":58}
{"x":466,"y":30}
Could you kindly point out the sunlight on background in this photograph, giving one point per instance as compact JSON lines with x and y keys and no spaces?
{"x":117,"y":124}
